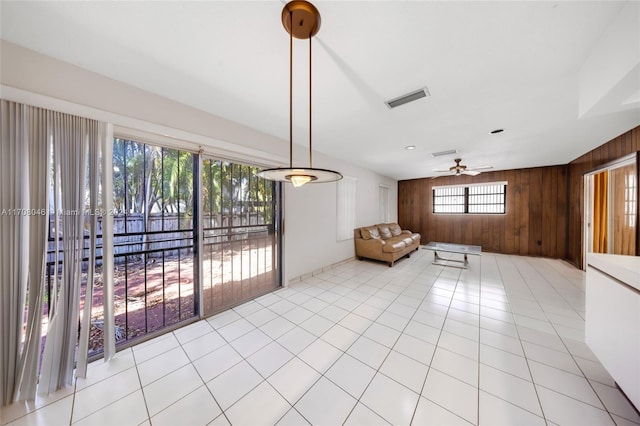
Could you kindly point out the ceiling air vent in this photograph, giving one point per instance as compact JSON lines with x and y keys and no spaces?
{"x":442,"y":153}
{"x":409,"y":97}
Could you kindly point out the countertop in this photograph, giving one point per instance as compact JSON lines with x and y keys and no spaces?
{"x":622,"y":268}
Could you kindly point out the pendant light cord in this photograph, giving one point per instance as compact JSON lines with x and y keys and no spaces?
{"x":310,"y":149}
{"x":306,"y":26}
{"x":291,"y":98}
{"x":291,"y":92}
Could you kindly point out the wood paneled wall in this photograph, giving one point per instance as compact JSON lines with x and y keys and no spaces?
{"x":544,"y":207}
{"x":623,"y":145}
{"x":534,"y":223}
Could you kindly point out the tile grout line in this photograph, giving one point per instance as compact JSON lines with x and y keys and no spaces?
{"x":360,"y":334}
{"x":400,"y":287}
{"x":360,"y":284}
{"x":479,"y":328}
{"x":358,"y":401}
{"x":606,"y":409}
{"x":265,"y":379}
{"x":222,"y":412}
{"x":75,"y":391}
{"x":507,"y":372}
{"x":526,"y":359}
{"x":144,"y":398}
{"x":436,"y":349}
{"x":322,"y":375}
{"x":228,"y":343}
{"x":73,"y":399}
{"x":542,"y":363}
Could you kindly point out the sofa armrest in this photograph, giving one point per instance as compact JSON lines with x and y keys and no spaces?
{"x":369,"y":248}
{"x":406,"y":231}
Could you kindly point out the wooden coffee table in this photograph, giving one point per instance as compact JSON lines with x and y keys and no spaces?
{"x":463,"y":249}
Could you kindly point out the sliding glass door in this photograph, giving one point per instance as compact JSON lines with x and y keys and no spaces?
{"x":156,"y":212}
{"x":241,"y":239}
{"x":154,"y":229}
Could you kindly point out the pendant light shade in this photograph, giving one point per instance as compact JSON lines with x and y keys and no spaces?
{"x":306,"y":23}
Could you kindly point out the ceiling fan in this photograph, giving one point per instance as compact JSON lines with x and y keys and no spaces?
{"x":461,"y":169}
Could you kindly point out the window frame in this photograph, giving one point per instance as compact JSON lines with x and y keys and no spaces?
{"x":466,"y":196}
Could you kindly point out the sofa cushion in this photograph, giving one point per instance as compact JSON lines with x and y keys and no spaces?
{"x":369,"y":233}
{"x":395,"y":229}
{"x":385,"y":232}
{"x":393,"y":247}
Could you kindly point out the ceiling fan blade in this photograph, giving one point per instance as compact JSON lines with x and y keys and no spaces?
{"x":480,"y":168}
{"x":470,"y":173}
{"x":441,"y":170}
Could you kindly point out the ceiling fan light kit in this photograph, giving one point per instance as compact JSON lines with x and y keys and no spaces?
{"x":301,"y":20}
{"x":461,"y":169}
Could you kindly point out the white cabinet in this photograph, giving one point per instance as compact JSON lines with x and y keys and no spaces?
{"x":612,"y":326}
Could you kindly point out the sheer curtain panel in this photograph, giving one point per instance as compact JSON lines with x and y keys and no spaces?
{"x":101,"y":197}
{"x":23,"y":231}
{"x":77,"y":146}
{"x":345,"y":208}
{"x":56,"y":177}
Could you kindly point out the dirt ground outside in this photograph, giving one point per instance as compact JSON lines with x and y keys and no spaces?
{"x":148,"y":298}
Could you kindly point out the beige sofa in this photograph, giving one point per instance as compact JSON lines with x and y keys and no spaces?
{"x":386,"y":242}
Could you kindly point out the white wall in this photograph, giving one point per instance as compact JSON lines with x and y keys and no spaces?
{"x":310,"y":211}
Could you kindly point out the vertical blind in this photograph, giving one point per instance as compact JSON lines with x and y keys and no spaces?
{"x":49,"y":163}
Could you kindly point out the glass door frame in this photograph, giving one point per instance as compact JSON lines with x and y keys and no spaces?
{"x":588,"y":197}
{"x":278,"y":224}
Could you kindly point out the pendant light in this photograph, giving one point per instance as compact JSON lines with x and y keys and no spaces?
{"x":301,"y":20}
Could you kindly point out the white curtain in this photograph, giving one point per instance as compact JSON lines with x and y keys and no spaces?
{"x":346,"y":208}
{"x":383,"y":194}
{"x":38,"y":196}
{"x":51,"y":160}
{"x":77,"y":148}
{"x":71,"y":137}
{"x":108,"y":302}
{"x":23,"y":237}
{"x":101,"y":196}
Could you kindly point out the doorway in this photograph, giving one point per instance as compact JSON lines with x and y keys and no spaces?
{"x":241,"y":235}
{"x":611,"y":209}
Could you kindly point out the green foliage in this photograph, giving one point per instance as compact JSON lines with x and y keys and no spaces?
{"x":149,"y":179}
{"x":153,"y":180}
{"x":236,"y":190}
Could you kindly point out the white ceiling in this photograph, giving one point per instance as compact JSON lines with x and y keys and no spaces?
{"x":487,"y":65}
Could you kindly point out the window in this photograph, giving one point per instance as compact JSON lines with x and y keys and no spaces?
{"x":449,"y":200}
{"x":630,"y":199}
{"x":486,"y":198}
{"x":346,"y":208}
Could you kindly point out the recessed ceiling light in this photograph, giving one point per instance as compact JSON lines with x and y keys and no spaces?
{"x":410,"y":147}
{"x":493,"y":132}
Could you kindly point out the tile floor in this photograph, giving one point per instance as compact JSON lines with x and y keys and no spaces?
{"x":364,"y":344}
